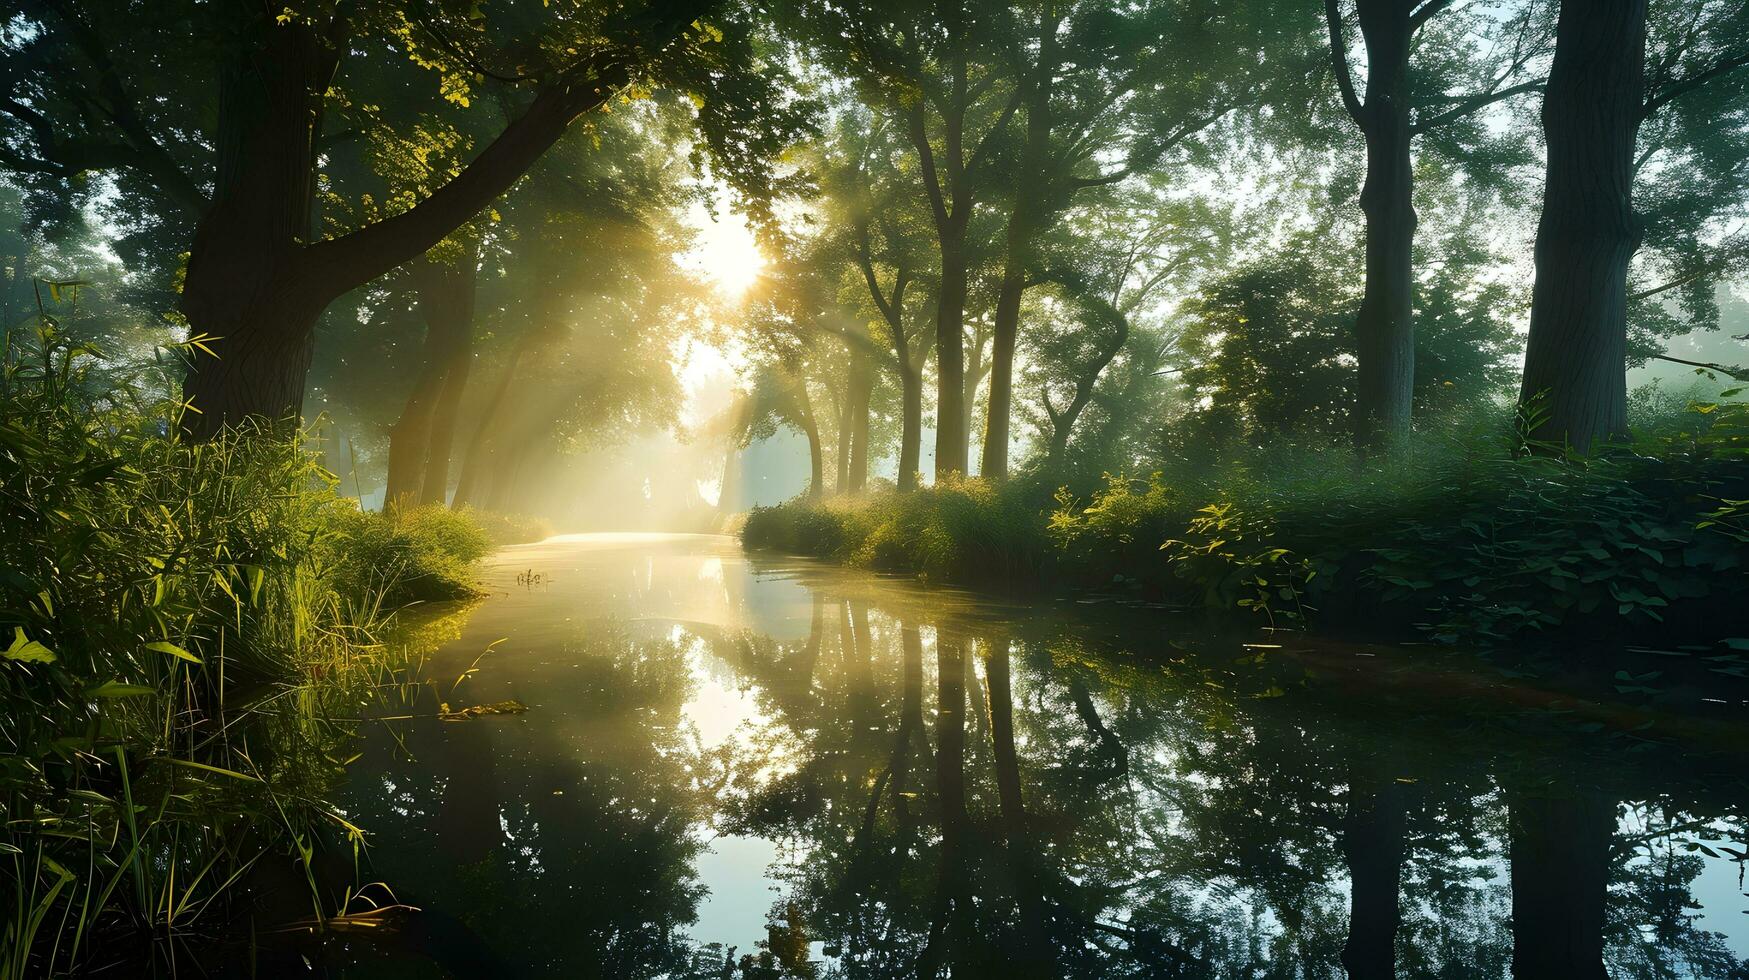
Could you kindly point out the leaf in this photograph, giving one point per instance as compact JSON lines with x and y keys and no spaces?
{"x":165,"y":646}
{"x":29,"y":651}
{"x":116,"y":689}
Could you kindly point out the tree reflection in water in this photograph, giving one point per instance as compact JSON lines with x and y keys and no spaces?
{"x":964,"y":792}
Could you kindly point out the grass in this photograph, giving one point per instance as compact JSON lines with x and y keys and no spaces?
{"x":180,"y":624}
{"x":1473,"y":537}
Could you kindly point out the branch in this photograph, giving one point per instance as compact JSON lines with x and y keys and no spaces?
{"x":981,"y":153}
{"x":343,"y":263}
{"x":926,"y":159}
{"x":1725,"y":65}
{"x":1734,"y":371}
{"x":151,"y":159}
{"x":1676,"y":283}
{"x":1426,"y":13}
{"x":1339,"y":58}
{"x":1474,"y":103}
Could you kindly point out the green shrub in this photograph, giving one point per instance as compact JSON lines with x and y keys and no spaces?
{"x":505,"y":529}
{"x":419,"y":554}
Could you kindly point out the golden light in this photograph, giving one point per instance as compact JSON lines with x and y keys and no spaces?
{"x":726,"y":253}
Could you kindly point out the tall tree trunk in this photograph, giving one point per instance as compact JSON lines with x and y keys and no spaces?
{"x":444,"y":418}
{"x":247,"y":286}
{"x":976,"y":368}
{"x":410,"y":438}
{"x":1385,"y":328}
{"x":841,"y":458}
{"x":476,"y":463}
{"x":910,"y":427}
{"x":1372,"y":841}
{"x":950,"y":368}
{"x":1575,"y":362}
{"x":1023,"y":223}
{"x":452,"y":300}
{"x":862,"y":381}
{"x":1559,"y":849}
{"x":446,"y":302}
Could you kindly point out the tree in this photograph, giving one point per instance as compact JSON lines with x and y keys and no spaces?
{"x":1407,"y":95}
{"x":931,"y":70}
{"x":1108,"y":95}
{"x":1600,"y":93}
{"x":257,"y":277}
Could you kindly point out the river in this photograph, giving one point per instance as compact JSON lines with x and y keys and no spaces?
{"x":806,"y":771}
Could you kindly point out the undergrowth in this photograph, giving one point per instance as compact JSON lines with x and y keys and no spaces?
{"x":177,"y":623}
{"x":1476,"y":538}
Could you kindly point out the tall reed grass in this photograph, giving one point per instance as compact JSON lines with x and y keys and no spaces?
{"x":180,"y":624}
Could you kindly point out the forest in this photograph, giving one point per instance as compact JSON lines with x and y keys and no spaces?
{"x":796,"y":488}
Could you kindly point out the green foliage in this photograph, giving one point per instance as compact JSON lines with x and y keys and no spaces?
{"x":503,"y":529}
{"x":159,"y":596}
{"x":1466,"y":541}
{"x":961,"y":530}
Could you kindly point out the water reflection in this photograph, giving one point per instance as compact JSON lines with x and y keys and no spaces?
{"x":949,"y":788}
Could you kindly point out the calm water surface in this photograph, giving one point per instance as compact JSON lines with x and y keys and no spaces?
{"x":806,"y":772}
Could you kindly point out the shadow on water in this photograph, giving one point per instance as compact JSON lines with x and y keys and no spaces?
{"x":744,"y":769}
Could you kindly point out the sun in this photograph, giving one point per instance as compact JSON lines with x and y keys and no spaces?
{"x":725,"y":252}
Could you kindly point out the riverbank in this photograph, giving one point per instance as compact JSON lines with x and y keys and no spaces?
{"x":184,"y":628}
{"x":1473,"y":547}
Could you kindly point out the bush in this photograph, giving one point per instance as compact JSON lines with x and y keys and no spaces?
{"x":504,"y":529}
{"x":412,"y":555}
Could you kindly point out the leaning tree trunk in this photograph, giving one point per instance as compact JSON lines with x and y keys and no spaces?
{"x":1385,"y":328}
{"x":1575,"y":361}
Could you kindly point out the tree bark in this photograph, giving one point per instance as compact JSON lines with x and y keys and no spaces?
{"x":950,"y":404}
{"x":1559,"y":850}
{"x":246,"y":286}
{"x":444,"y":418}
{"x":1385,"y":327}
{"x":910,"y":427}
{"x":1575,"y":364}
{"x":862,"y":382}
